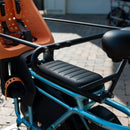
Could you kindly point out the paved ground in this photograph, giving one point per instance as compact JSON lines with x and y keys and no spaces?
{"x":87,"y":55}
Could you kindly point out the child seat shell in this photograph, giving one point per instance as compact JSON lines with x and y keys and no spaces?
{"x":31,"y":19}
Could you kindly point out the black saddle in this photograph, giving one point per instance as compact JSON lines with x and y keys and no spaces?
{"x":69,"y":76}
{"x":116,"y":44}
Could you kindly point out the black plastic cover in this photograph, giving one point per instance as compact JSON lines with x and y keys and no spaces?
{"x":116,"y":44}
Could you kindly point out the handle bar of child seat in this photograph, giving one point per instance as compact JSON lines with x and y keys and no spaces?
{"x":41,"y":48}
{"x":21,"y":41}
{"x":59,"y":45}
{"x":54,"y":45}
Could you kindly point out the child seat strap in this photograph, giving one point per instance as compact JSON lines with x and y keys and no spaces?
{"x":26,"y":32}
{"x":2,"y":7}
{"x":7,"y":31}
{"x":9,"y":82}
{"x":17,"y":4}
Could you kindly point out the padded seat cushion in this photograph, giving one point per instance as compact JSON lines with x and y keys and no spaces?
{"x":69,"y":76}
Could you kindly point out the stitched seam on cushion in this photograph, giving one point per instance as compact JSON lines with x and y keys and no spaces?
{"x":53,"y":64}
{"x":78,"y":73}
{"x":50,"y":63}
{"x":87,"y":73}
{"x":66,"y":69}
{"x":87,"y":76}
{"x":59,"y":66}
{"x":70,"y":72}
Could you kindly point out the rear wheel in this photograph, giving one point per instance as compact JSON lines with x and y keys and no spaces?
{"x":103,"y":113}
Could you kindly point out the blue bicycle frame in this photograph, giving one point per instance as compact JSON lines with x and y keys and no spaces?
{"x":80,"y":110}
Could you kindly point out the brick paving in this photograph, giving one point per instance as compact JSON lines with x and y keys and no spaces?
{"x":88,"y":55}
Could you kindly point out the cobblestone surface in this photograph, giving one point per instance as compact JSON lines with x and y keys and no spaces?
{"x":88,"y":55}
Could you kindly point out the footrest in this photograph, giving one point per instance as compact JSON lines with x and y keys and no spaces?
{"x":69,"y":76}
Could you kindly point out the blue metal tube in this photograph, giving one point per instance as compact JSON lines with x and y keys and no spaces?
{"x":89,"y":116}
{"x":66,"y":91}
{"x":22,"y":120}
{"x":53,"y":98}
{"x":57,"y":123}
{"x":65,"y":115}
{"x":30,"y":114}
{"x":19,"y":119}
{"x":16,"y":106}
{"x":118,"y":106}
{"x":100,"y":122}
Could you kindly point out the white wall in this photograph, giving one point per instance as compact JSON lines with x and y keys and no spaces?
{"x":88,"y":6}
{"x":77,"y":6}
{"x":55,"y":6}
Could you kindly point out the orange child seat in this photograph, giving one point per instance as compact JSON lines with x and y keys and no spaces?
{"x":23,"y":12}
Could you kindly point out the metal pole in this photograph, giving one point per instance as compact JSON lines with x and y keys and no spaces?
{"x":55,"y":45}
{"x":81,"y":23}
{"x":73,"y":42}
{"x":20,"y":41}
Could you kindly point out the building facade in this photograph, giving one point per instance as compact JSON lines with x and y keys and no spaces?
{"x":77,"y":6}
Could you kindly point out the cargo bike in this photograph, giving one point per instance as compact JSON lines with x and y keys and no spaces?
{"x":52,"y":94}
